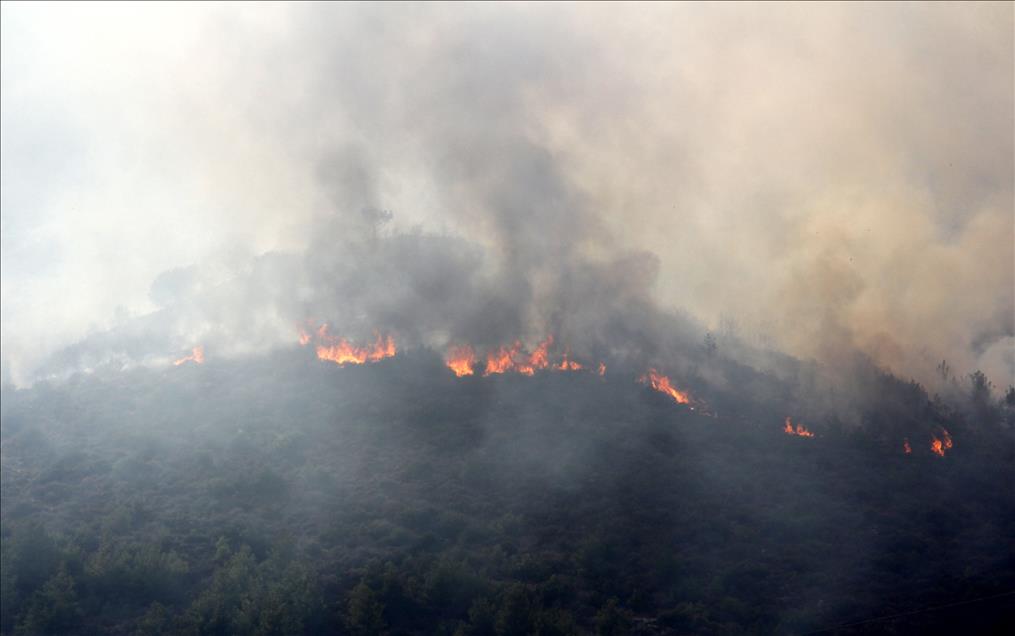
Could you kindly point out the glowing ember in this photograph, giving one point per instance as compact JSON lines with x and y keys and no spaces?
{"x":602,"y":368}
{"x":196,"y":356}
{"x":800,"y":429}
{"x":906,"y":448}
{"x":661,"y":383}
{"x":460,"y":360}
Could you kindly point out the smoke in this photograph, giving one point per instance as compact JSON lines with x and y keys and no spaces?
{"x":831,"y":180}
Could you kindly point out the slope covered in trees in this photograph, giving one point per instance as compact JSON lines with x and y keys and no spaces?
{"x":287,"y":495}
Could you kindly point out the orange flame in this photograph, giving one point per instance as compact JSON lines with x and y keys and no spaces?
{"x":662,"y":384}
{"x":538,"y":359}
{"x":504,"y":359}
{"x":939,"y":446}
{"x":342,"y":352}
{"x":800,"y":429}
{"x":460,"y":360}
{"x":196,"y":356}
{"x":906,"y":448}
{"x":936,"y":446}
{"x":501,"y":360}
{"x":602,"y":368}
{"x":568,"y":365}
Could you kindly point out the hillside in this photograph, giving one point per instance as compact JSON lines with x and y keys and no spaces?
{"x":289,"y":495}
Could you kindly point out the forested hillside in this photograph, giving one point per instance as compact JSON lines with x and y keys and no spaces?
{"x":285,"y":494}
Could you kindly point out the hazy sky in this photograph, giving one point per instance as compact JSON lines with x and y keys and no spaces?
{"x":830,"y":177}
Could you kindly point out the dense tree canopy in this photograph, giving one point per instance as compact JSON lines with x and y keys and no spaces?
{"x":285,"y":495}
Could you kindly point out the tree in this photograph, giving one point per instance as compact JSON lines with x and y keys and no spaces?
{"x":611,"y":620}
{"x":155,"y":622}
{"x":513,"y":617}
{"x":710,"y":345}
{"x":482,"y":618}
{"x":981,"y":387}
{"x":1009,"y":406}
{"x":944,"y":370}
{"x":34,"y":556}
{"x":984,"y":408}
{"x":54,"y":609}
{"x":366,"y":614}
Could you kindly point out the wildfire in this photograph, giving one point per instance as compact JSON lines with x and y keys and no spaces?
{"x":501,"y":360}
{"x":800,"y":429}
{"x":539,"y":359}
{"x":196,"y":356}
{"x":936,"y":446}
{"x":460,"y":360}
{"x":342,"y":352}
{"x":906,"y":448}
{"x":568,"y":365}
{"x":504,"y":359}
{"x":939,"y":446}
{"x":661,"y":383}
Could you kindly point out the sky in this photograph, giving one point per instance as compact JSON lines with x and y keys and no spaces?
{"x":820,"y":179}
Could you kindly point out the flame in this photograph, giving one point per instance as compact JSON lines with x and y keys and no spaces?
{"x":342,"y":352}
{"x":936,"y":446}
{"x":662,"y":384}
{"x":501,"y":360}
{"x":939,"y":446}
{"x":504,"y":359}
{"x":906,"y":448}
{"x":460,"y":360}
{"x":602,"y":368}
{"x":800,"y":429}
{"x":539,"y":359}
{"x":568,"y":365}
{"x":196,"y":356}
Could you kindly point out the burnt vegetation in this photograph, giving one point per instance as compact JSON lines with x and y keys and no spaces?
{"x":286,"y":495}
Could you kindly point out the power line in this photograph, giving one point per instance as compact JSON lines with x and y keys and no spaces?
{"x":911,"y":613}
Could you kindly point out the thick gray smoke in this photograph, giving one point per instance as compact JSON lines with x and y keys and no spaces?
{"x":822,"y":180}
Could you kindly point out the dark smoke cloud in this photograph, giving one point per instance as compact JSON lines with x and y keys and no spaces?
{"x":832,"y":181}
